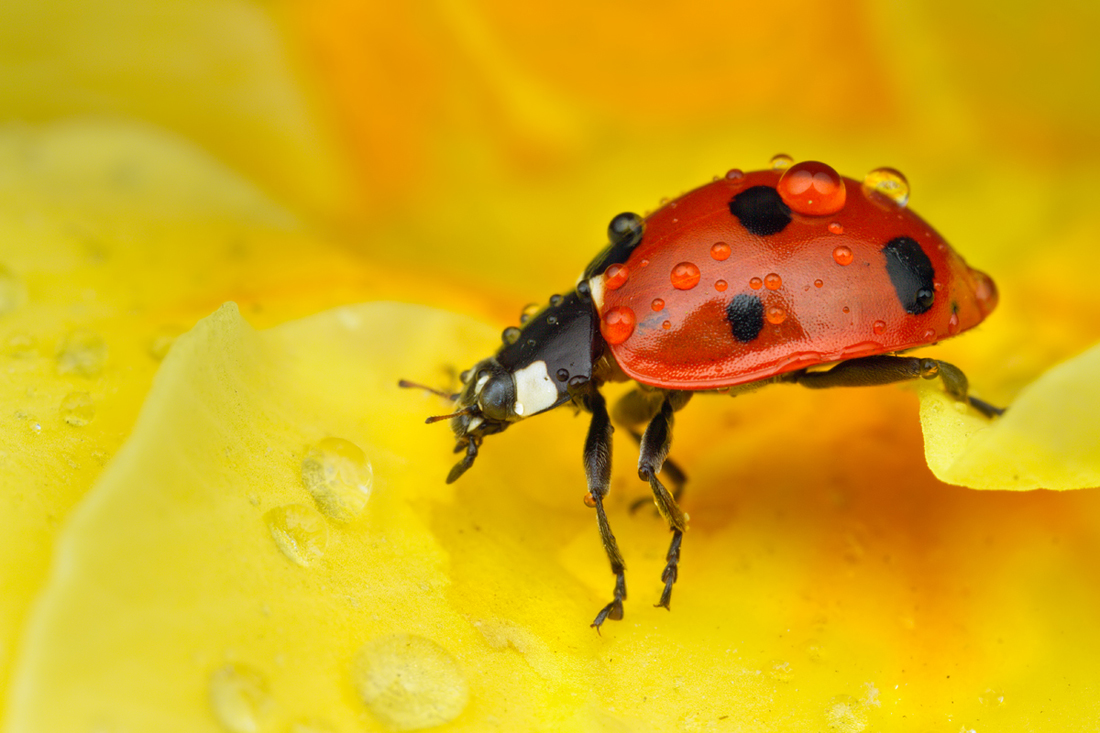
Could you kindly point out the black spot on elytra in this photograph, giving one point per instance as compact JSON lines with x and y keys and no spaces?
{"x":911,"y":273}
{"x":761,"y":210}
{"x":745,"y":314}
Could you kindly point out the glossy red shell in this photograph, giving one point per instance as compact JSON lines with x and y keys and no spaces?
{"x":855,"y":310}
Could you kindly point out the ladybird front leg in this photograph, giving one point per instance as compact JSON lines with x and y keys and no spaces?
{"x":655,"y":445}
{"x":885,"y":369}
{"x":597,"y":468}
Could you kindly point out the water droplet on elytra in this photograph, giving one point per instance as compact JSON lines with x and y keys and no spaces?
{"x":772,"y":281}
{"x":339,"y":476}
{"x":77,"y":409}
{"x":812,"y":189}
{"x":562,"y":375}
{"x":556,"y":300}
{"x":781,"y":162}
{"x":734,"y":173}
{"x":953,"y":324}
{"x":299,"y":532}
{"x":775,"y":315}
{"x":819,"y":283}
{"x":239,"y":698}
{"x":685,"y":276}
{"x":889,"y":183}
{"x":721,"y":285}
{"x":666,"y":325}
{"x":409,"y":682}
{"x":82,"y":353}
{"x":842,"y":255}
{"x":879,"y":327}
{"x":528,"y":311}
{"x":756,"y":283}
{"x":615,"y":277}
{"x":617,"y":324}
{"x":657,"y":304}
{"x":835,"y":227}
{"x":720,"y":251}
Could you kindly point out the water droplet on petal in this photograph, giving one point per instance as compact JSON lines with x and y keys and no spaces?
{"x":772,"y":281}
{"x":812,"y":189}
{"x":889,"y":183}
{"x":846,"y":714}
{"x":657,"y":304}
{"x":299,"y":532}
{"x":13,"y":293}
{"x":775,"y":315}
{"x":780,"y":162}
{"x":756,"y":283}
{"x":843,"y":255}
{"x":721,"y":285}
{"x":617,"y":324}
{"x":720,"y":251}
{"x":339,"y":476}
{"x":82,"y":353}
{"x":685,"y":276}
{"x":879,"y":327}
{"x":409,"y":682}
{"x":239,"y":698}
{"x":835,"y":227}
{"x":615,"y":277}
{"x":77,"y":409}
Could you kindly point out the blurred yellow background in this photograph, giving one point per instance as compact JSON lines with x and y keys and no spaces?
{"x":157,"y":160}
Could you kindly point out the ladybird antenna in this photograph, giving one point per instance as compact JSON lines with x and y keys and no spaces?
{"x":464,"y":411}
{"x":406,"y":384}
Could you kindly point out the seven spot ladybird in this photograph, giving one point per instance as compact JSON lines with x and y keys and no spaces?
{"x":792,"y":274}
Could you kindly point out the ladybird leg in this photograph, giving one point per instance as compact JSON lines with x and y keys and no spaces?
{"x":656,"y":442}
{"x":638,"y":407}
{"x":885,"y":369}
{"x":597,"y":468}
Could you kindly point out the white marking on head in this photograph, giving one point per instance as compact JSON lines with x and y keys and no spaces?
{"x":535,"y":390}
{"x":474,"y":422}
{"x":481,"y":383}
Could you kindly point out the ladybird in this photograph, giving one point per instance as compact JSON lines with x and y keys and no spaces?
{"x":793,"y":274}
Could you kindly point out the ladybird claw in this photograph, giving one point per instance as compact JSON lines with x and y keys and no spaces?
{"x":613,"y":611}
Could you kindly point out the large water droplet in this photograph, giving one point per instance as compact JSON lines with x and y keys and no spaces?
{"x":239,"y":698}
{"x":615,"y":277}
{"x":82,"y":353}
{"x":842,"y":255}
{"x":618,"y":324}
{"x":299,"y":532}
{"x":409,"y":682}
{"x":77,"y":409}
{"x":720,"y":251}
{"x":685,"y":276}
{"x":889,"y":183}
{"x":13,"y":293}
{"x":772,"y":281}
{"x":339,"y":476}
{"x":812,"y":189}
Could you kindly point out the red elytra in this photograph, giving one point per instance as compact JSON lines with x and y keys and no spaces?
{"x":855,"y":311}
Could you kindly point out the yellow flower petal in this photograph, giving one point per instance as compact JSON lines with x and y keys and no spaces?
{"x":1048,"y":439}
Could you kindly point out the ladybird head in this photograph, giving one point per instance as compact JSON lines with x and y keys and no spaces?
{"x":539,"y":367}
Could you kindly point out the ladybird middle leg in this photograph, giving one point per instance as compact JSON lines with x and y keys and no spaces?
{"x":656,"y":441}
{"x":885,"y":369}
{"x":637,"y":408}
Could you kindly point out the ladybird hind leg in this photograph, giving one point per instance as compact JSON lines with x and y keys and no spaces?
{"x":636,"y":409}
{"x":655,"y":444}
{"x":597,"y":469}
{"x":885,"y":369}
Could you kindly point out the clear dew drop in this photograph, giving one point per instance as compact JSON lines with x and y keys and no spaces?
{"x":879,"y":327}
{"x":781,"y":162}
{"x":842,"y":255}
{"x":775,"y":315}
{"x":409,"y":682}
{"x":772,"y":281}
{"x":510,"y":335}
{"x":993,"y":697}
{"x":77,"y":409}
{"x":162,"y":341}
{"x":756,"y":283}
{"x":339,"y":476}
{"x":299,"y":532}
{"x":239,"y":698}
{"x":13,"y":293}
{"x":889,"y":183}
{"x":657,"y":305}
{"x":528,"y":310}
{"x":734,"y":173}
{"x":82,"y":353}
